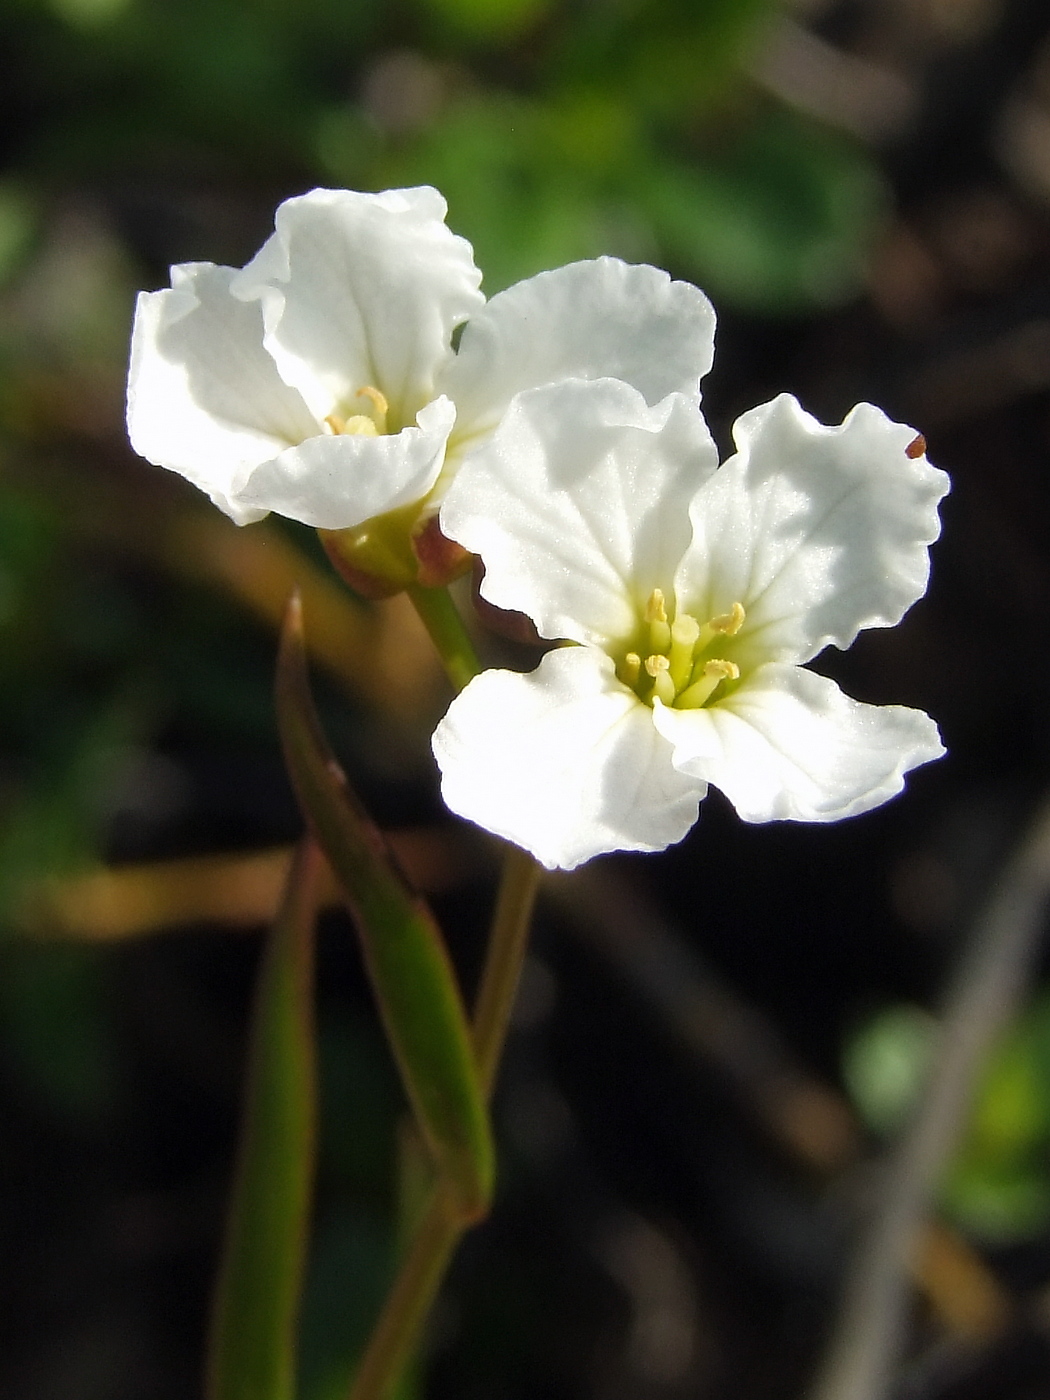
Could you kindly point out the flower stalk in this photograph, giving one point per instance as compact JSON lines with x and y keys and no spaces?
{"x":508,"y":941}
{"x":423,"y":1266}
{"x":443,"y":622}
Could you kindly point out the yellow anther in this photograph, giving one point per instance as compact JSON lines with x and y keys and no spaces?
{"x":630,"y":668}
{"x":379,"y":403}
{"x":358,"y":425}
{"x":656,"y":616}
{"x":663,"y":686}
{"x":370,"y":424}
{"x":685,"y":633}
{"x":726,"y":625}
{"x":656,"y":608}
{"x":730,"y":623}
{"x":714,"y":673}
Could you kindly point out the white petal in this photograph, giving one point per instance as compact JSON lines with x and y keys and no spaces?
{"x":565,"y":762}
{"x":204,"y":398}
{"x":788,"y":744}
{"x":335,"y":482}
{"x":588,"y":320}
{"x":817,"y":531}
{"x":579,"y":505}
{"x":362,"y":289}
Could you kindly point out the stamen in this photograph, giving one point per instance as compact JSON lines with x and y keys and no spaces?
{"x":715,"y":672}
{"x":726,"y":625}
{"x":361,"y":424}
{"x":685,"y":633}
{"x":358,"y":425}
{"x":663,"y":686}
{"x":630,"y":668}
{"x":380,"y":404}
{"x":656,"y":608}
{"x":731,"y":622}
{"x":656,"y":616}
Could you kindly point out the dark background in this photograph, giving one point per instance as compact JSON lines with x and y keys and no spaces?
{"x":864,"y":190}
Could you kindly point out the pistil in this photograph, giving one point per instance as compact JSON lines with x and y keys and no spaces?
{"x":685,"y":633}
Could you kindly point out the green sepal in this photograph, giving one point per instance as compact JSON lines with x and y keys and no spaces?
{"x":376,"y":558}
{"x":404,"y":952}
{"x":252,"y":1347}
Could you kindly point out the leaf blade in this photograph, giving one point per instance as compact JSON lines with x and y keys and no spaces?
{"x":252,"y":1347}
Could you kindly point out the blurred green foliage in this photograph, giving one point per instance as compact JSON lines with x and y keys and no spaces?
{"x":557,"y":130}
{"x":44,"y":991}
{"x":998,"y":1186}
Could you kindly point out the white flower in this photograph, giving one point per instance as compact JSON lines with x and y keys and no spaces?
{"x":320,"y":381}
{"x":694,"y":594}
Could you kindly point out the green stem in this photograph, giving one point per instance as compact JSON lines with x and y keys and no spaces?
{"x":438,"y":1233}
{"x":508,"y":937}
{"x":441,"y":618}
{"x":508,"y":941}
{"x":408,"y":1302}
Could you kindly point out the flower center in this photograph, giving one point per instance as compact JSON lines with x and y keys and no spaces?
{"x":371,"y":423}
{"x":677,"y":667}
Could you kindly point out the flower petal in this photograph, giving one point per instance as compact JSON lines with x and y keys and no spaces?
{"x":204,"y":398}
{"x":579,"y":505}
{"x":588,"y":320}
{"x":333,"y":482}
{"x":789,"y":745}
{"x":817,"y":531}
{"x":565,"y":762}
{"x":362,"y":289}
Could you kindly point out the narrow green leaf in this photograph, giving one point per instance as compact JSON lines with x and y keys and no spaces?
{"x":404,"y":952}
{"x":252,"y":1353}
